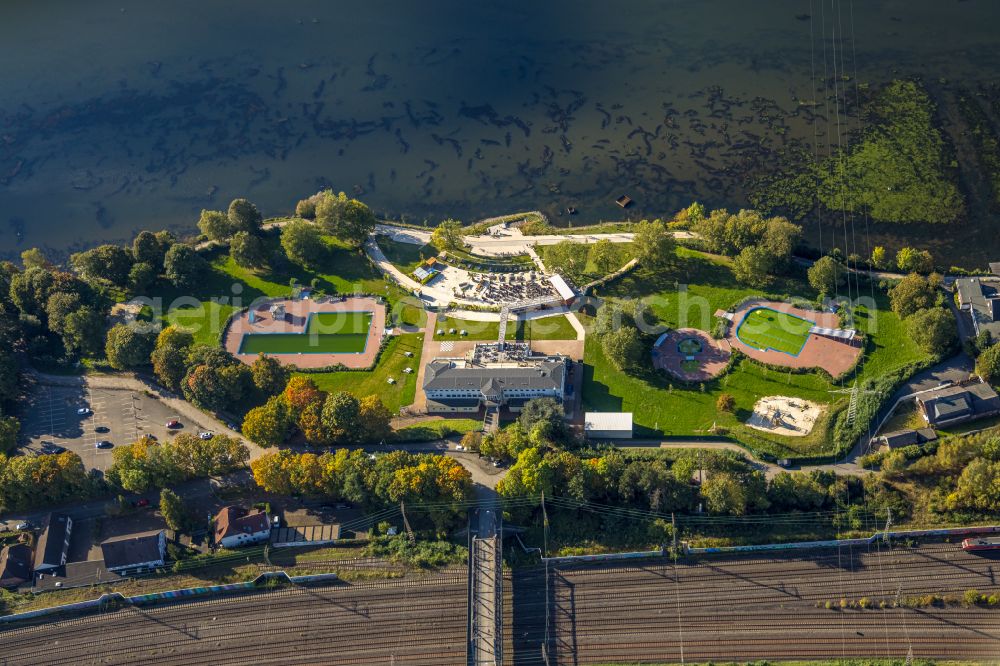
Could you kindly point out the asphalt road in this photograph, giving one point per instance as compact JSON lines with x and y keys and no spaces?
{"x":418,"y":621}
{"x":738,"y":609}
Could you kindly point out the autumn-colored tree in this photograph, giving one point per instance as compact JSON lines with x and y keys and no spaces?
{"x":270,"y":424}
{"x":312,"y":426}
{"x":374,"y":418}
{"x":299,"y":392}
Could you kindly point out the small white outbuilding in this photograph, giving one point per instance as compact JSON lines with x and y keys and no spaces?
{"x":608,"y":425}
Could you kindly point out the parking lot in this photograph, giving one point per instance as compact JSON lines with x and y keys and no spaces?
{"x":51,"y":416}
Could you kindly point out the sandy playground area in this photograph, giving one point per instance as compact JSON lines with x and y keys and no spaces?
{"x":781,"y":415}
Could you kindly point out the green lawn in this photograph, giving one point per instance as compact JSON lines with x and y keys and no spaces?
{"x":437,"y":429}
{"x":405,"y":256}
{"x":391,"y":364}
{"x":587,"y":272}
{"x":764,"y":328}
{"x":327,"y":332}
{"x":687,"y":294}
{"x":707,"y":285}
{"x":547,"y":328}
{"x":476,"y":330}
{"x":663,"y":408}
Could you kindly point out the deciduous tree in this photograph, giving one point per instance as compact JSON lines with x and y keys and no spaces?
{"x":911,"y":260}
{"x":448,"y":235}
{"x":270,"y":424}
{"x":654,"y":245}
{"x":244,"y":216}
{"x":913,"y":293}
{"x":215,"y":225}
{"x":303,"y":243}
{"x":934,"y":330}
{"x":348,"y":219}
{"x":623,"y":348}
{"x":248,"y":250}
{"x":128,"y":346}
{"x":827,"y":275}
{"x":184,"y":267}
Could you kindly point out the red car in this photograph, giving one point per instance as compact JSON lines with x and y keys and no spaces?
{"x":173,"y":423}
{"x":142,"y":502}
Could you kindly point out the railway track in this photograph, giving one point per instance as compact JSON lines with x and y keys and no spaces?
{"x":758,"y":608}
{"x":713,"y":608}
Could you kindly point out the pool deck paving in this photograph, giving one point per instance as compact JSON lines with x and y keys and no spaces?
{"x":712,"y":359}
{"x":297,"y":315}
{"x":834,"y":356}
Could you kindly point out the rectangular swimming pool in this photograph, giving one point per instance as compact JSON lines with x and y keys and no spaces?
{"x":325,"y":333}
{"x":764,"y":329}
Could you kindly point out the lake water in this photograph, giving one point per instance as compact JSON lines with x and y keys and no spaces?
{"x":124,"y":115}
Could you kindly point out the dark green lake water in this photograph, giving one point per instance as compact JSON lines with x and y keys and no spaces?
{"x":119,"y":116}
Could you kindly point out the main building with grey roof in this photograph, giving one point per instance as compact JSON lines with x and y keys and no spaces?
{"x":460,"y":386}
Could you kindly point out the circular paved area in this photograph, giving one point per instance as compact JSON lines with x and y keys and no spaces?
{"x":678,"y":353}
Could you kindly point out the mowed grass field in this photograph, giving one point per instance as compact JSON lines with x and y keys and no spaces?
{"x":392,"y":363}
{"x":327,"y":333}
{"x":764,"y":328}
{"x":546,"y":328}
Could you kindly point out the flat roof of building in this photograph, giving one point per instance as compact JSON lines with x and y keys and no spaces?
{"x":616,"y":421}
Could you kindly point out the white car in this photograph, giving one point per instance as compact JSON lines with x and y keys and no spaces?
{"x":459,"y":447}
{"x":83,"y":411}
{"x":208,"y":434}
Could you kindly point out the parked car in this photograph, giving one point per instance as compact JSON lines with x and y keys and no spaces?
{"x":173,"y":423}
{"x":102,"y":429}
{"x":785,"y":462}
{"x":23,"y":526}
{"x":50,"y":448}
{"x":104,"y":444}
{"x":233,"y":426}
{"x":84,"y":411}
{"x":142,"y":502}
{"x":208,"y":434}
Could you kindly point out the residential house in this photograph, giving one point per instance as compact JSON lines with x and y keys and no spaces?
{"x":959,"y":403}
{"x":900,"y":438}
{"x":235,"y":527}
{"x":980,"y":297}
